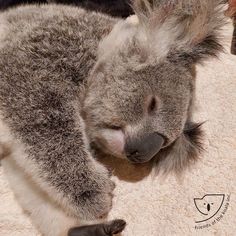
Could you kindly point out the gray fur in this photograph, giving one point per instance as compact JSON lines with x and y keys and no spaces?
{"x":52,"y":74}
{"x":41,"y":70}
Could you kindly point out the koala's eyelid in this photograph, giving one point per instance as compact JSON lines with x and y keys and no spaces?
{"x":112,"y":126}
{"x":115,"y":127}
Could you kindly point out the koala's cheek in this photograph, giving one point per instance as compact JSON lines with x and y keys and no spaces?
{"x":115,"y":140}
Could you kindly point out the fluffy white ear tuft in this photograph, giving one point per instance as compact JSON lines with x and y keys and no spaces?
{"x":190,"y":26}
{"x":122,"y":33}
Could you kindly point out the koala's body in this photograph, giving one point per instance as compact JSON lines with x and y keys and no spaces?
{"x":72,"y":81}
{"x":41,"y":127}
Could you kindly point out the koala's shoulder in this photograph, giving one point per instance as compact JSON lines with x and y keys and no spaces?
{"x":48,"y":18}
{"x":27,"y":19}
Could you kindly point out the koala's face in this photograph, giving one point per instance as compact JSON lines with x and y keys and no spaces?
{"x":139,"y":96}
{"x":136,"y":112}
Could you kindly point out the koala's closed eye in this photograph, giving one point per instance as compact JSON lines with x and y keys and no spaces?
{"x":113,"y":127}
{"x":152,"y":104}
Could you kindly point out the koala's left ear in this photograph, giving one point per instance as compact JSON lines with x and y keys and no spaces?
{"x":183,"y":152}
{"x":198,"y":53}
{"x":201,"y":35}
{"x":184,"y":30}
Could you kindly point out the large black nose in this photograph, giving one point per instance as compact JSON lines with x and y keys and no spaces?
{"x":143,"y":149}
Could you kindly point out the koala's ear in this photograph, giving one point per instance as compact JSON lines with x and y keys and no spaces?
{"x":198,"y":53}
{"x":186,"y":30}
{"x":183,"y":152}
{"x":121,"y":34}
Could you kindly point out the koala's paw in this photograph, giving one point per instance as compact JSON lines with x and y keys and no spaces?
{"x":106,"y":229}
{"x":96,"y":200}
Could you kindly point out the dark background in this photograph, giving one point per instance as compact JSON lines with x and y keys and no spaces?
{"x":119,"y":8}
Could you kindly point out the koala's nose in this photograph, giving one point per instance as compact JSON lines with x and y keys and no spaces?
{"x":143,"y":149}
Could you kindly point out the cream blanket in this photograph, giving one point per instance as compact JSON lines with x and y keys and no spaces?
{"x":166,"y":207}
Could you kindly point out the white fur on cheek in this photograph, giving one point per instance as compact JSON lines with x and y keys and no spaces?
{"x":115,"y":140}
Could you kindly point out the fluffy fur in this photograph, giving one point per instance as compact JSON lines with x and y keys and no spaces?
{"x":56,"y":124}
{"x":183,"y":152}
{"x":64,"y":88}
{"x":188,"y":27}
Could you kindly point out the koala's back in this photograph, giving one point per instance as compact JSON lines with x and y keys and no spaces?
{"x":45,"y":54}
{"x":58,"y":39}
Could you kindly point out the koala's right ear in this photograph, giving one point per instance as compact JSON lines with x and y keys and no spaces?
{"x":183,"y":152}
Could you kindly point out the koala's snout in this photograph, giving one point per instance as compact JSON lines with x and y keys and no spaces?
{"x":143,"y":149}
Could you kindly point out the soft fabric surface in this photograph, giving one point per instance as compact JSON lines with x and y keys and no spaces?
{"x":165,"y":206}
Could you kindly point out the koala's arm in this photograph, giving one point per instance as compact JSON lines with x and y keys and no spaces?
{"x":39,"y":105}
{"x":50,"y":146}
{"x":57,"y":158}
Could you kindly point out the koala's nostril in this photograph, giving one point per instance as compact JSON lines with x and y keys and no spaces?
{"x":134,"y":153}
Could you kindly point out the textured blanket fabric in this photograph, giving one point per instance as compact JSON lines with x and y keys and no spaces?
{"x":165,"y":206}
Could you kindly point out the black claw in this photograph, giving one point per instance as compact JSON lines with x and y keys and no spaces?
{"x":106,"y":229}
{"x":115,"y":227}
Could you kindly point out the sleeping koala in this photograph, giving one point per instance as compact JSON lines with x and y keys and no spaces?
{"x":75,"y":82}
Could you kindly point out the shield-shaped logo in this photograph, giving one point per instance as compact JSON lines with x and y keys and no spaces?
{"x":208,"y":205}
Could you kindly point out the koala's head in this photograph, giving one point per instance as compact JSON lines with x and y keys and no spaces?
{"x":139,"y":96}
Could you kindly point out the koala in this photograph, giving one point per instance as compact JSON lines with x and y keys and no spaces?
{"x":75,"y":83}
{"x":118,"y":8}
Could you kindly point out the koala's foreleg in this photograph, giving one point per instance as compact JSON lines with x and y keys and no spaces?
{"x":46,"y":215}
{"x":60,"y":185}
